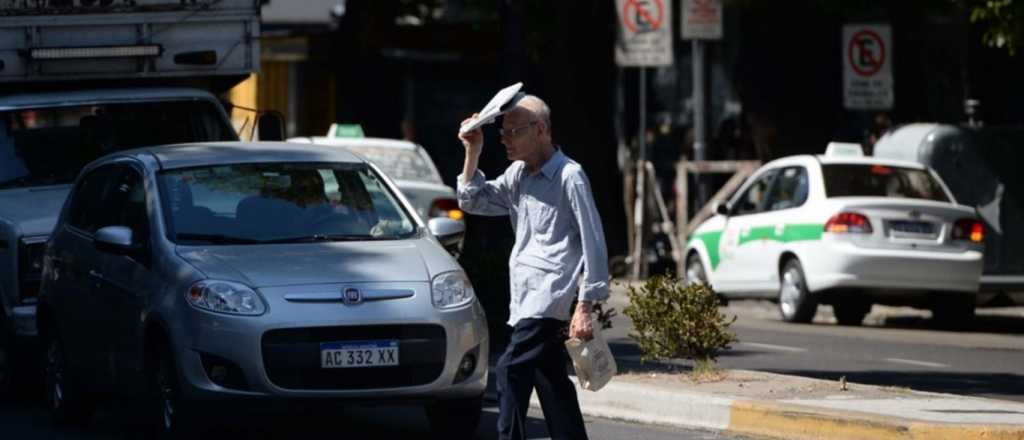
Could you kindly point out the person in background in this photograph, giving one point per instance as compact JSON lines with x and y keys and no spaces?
{"x":559,"y":255}
{"x":880,"y":125}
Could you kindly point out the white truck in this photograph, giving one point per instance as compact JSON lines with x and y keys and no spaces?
{"x":83,"y":78}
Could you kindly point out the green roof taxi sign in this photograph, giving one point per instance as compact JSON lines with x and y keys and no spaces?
{"x":345,"y":131}
{"x":844,"y":149}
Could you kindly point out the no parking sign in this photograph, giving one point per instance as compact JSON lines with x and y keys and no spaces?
{"x":867,"y":67}
{"x":645,"y":39}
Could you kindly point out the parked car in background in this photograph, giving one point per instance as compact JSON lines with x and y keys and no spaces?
{"x":255,"y":272}
{"x":845,"y":231}
{"x":981,"y":165}
{"x":86,"y":83}
{"x":408,"y":164}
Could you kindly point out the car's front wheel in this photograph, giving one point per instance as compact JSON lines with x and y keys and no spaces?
{"x":795,"y":302}
{"x":457,"y":418}
{"x":172,"y":419}
{"x":68,"y":404}
{"x":695,"y":270}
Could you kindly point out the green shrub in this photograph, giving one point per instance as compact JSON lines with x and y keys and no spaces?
{"x":672,"y":320}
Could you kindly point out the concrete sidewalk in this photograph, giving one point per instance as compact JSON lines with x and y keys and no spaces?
{"x":771,"y":405}
{"x":789,"y":407}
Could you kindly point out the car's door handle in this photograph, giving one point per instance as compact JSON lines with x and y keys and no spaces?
{"x":95,"y":274}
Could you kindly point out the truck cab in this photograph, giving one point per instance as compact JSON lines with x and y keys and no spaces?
{"x":981,"y":166}
{"x":79,"y":80}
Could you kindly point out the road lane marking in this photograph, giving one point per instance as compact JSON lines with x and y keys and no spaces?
{"x":773,"y":347}
{"x":918,"y":363}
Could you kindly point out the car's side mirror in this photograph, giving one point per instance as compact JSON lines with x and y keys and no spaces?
{"x":722,"y":209}
{"x":449,"y":232}
{"x":271,"y":126}
{"x":114,"y":240}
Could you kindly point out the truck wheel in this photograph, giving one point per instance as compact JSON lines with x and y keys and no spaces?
{"x":69,"y":405}
{"x":795,"y":303}
{"x":952,"y":310}
{"x":455,"y":418}
{"x":851,"y":312}
{"x":6,"y":364}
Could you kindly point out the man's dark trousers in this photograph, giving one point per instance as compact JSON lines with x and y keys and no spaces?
{"x":536,"y":357}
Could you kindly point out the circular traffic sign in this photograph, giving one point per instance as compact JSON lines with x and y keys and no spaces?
{"x":646,"y":19}
{"x":866,"y":52}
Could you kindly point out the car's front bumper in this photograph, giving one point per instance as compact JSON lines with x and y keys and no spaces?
{"x":288,"y":367}
{"x":839,"y":264}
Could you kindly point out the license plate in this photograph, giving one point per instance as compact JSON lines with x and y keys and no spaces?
{"x":912,"y":227}
{"x":358,"y":354}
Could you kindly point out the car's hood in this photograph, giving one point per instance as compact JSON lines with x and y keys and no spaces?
{"x":33,"y":211}
{"x":312,"y":263}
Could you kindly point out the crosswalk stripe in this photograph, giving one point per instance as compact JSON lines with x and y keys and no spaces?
{"x":918,"y":363}
{"x":773,"y":347}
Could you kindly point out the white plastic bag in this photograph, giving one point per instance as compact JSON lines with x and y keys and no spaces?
{"x":592,"y":360}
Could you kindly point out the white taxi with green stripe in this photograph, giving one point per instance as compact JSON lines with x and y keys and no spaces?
{"x":845,"y":231}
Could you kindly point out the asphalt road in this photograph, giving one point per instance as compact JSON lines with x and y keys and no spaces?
{"x":28,"y":420}
{"x":895,"y":347}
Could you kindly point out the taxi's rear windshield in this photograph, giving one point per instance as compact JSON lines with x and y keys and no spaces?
{"x":870,"y":180}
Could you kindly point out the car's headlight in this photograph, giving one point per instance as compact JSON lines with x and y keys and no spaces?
{"x":451,"y":289}
{"x":225,"y":297}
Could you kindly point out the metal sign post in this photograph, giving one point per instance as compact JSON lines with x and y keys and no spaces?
{"x":645,"y":40}
{"x":699,"y":116}
{"x":701,"y":20}
{"x":639,"y":268}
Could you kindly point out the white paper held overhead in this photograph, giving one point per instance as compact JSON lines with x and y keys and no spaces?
{"x":497,"y":106}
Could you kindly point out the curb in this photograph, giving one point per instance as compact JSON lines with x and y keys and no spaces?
{"x":649,"y":404}
{"x":779,"y":420}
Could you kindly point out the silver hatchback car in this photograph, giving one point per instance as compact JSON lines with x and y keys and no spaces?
{"x":255,"y":272}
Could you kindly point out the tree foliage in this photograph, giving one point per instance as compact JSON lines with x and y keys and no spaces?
{"x":1001,"y":21}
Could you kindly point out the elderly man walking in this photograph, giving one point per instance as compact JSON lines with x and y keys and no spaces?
{"x":559,"y":255}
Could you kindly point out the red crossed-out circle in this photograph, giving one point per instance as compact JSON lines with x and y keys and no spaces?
{"x":874,"y":64}
{"x":654,"y":22}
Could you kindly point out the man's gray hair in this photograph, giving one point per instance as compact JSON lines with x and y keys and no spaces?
{"x":538,"y":107}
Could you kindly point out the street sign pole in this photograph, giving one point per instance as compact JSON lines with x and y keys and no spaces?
{"x":639,"y":268}
{"x":701,"y":22}
{"x":699,"y":117}
{"x":646,"y":41}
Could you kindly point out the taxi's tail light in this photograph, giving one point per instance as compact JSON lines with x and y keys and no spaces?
{"x":848,"y":222}
{"x":969,"y":229}
{"x":446,"y":208}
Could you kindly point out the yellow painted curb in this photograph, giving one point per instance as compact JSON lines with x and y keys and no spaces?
{"x":771,"y":419}
{"x":958,"y":432}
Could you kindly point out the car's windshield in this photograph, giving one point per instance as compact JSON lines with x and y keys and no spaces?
{"x":48,"y":146}
{"x":280,"y":202}
{"x":842,"y":180}
{"x":399,"y":164}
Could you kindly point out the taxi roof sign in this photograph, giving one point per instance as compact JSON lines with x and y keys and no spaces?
{"x":345,"y":131}
{"x":844,"y":149}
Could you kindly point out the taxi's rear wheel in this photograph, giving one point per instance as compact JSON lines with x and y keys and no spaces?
{"x":795,"y":302}
{"x":851,"y":311}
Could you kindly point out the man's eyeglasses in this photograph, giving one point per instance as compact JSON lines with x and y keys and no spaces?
{"x":512,"y":132}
